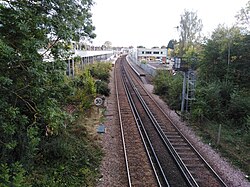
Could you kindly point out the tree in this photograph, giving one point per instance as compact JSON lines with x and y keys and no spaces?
{"x":107,"y":45}
{"x":221,"y":53}
{"x":190,"y":28}
{"x":223,"y":85}
{"x":169,"y":87}
{"x":243,"y":17}
{"x":32,"y":90}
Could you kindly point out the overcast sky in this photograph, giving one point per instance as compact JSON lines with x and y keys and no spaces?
{"x":151,"y":23}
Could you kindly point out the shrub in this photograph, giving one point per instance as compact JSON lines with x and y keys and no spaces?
{"x":169,"y":87}
{"x":67,"y":159}
{"x":100,"y":71}
{"x":13,"y":175}
{"x":102,"y":88}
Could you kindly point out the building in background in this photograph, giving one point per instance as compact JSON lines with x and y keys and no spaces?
{"x":155,"y":55}
{"x":151,"y":55}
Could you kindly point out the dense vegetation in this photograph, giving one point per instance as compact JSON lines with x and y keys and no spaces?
{"x":169,"y":87}
{"x":39,"y":144}
{"x":222,"y":93}
{"x":68,"y":157}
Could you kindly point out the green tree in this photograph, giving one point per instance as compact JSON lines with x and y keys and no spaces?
{"x":225,"y":56}
{"x":190,"y":31}
{"x":212,"y":101}
{"x":169,"y":88}
{"x":32,"y":91}
{"x":107,"y":45}
{"x":243,"y":17}
{"x":223,"y":77}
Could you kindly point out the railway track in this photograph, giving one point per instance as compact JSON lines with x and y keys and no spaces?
{"x":177,"y":159}
{"x":139,"y":168}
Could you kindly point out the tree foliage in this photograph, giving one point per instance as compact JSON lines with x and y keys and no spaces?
{"x":190,"y":29}
{"x":243,"y":17}
{"x":226,"y":56}
{"x":224,"y":78}
{"x":100,"y":72}
{"x":33,"y":91}
{"x":169,"y":88}
{"x":107,"y":45}
{"x":222,"y":93}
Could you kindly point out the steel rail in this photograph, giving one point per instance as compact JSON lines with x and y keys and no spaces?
{"x":182,"y":135}
{"x":189,"y":178}
{"x":122,"y":132}
{"x":143,"y":131}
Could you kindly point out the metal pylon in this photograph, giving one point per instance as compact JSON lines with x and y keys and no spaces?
{"x":190,"y":92}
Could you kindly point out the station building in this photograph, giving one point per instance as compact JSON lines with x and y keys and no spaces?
{"x":154,"y":54}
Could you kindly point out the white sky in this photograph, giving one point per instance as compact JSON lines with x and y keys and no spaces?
{"x":151,"y":23}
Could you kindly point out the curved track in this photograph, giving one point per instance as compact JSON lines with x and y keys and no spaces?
{"x":172,"y":159}
{"x":140,"y":171}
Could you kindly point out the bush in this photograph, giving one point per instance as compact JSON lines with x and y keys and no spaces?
{"x":100,"y":71}
{"x":102,"y":88}
{"x":13,"y":175}
{"x":239,"y":110}
{"x":169,"y":87}
{"x":84,"y":89}
{"x":68,"y":159}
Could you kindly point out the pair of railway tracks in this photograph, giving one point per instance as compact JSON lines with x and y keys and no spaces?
{"x":155,"y":152}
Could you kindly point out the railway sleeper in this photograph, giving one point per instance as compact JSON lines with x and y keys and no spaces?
{"x":192,"y":162}
{"x":126,"y":112}
{"x":176,"y":140}
{"x":173,"y":136}
{"x":195,"y":165}
{"x":186,"y":153}
{"x":198,"y":174}
{"x":172,"y":133}
{"x":179,"y":143}
{"x":184,"y":148}
{"x":190,"y":159}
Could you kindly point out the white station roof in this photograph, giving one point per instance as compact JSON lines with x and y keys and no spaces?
{"x":91,"y":53}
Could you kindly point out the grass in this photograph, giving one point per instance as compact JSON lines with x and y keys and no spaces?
{"x":234,"y":143}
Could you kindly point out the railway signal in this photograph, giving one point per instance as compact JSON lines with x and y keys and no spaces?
{"x":188,"y":87}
